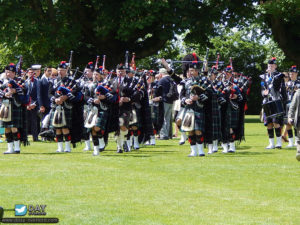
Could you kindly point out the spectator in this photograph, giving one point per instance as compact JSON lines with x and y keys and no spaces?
{"x":165,"y":81}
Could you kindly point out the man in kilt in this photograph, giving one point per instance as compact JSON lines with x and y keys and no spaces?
{"x":213,"y":133}
{"x":192,"y":98}
{"x":12,"y":112}
{"x":137,"y":87}
{"x":62,"y":100}
{"x":122,"y":84}
{"x":100,"y":95}
{"x":155,"y":93}
{"x":273,"y":88}
{"x":87,"y":84}
{"x":230,"y":111}
{"x":291,"y":86}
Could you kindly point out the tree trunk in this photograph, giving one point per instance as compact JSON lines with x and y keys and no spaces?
{"x":287,"y":36}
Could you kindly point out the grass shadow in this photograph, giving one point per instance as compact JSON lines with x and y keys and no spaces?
{"x":243,"y":147}
{"x":241,"y":154}
{"x":161,"y":151}
{"x":165,"y":145}
{"x":126,"y":155}
{"x":50,"y":153}
{"x":252,"y":120}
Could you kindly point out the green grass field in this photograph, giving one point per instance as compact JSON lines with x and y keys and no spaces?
{"x":157,"y":185}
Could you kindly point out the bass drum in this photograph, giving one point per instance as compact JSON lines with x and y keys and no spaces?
{"x":273,"y":109}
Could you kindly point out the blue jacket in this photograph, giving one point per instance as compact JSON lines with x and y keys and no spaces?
{"x":43,"y":92}
{"x":32,"y":90}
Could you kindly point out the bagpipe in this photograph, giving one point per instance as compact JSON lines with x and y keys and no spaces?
{"x":72,"y":87}
{"x":91,"y":117}
{"x":18,"y":83}
{"x":20,"y":97}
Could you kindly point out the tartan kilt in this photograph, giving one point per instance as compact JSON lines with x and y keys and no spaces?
{"x":16,"y":117}
{"x":216,"y":120}
{"x":157,"y":116}
{"x":68,"y":116}
{"x":279,"y":120}
{"x":233,"y":117}
{"x":138,"y":124}
{"x":125,"y":116}
{"x":225,"y":122}
{"x":199,"y":117}
{"x":102,"y":119}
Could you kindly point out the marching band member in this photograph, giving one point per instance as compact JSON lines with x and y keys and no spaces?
{"x":273,"y":88}
{"x":62,"y":100}
{"x":12,"y":112}
{"x":100,"y":97}
{"x":291,"y":86}
{"x":122,"y":82}
{"x":215,"y":125}
{"x":136,"y":84}
{"x":192,"y":98}
{"x":293,"y":112}
{"x":87,"y":84}
{"x":156,"y":104}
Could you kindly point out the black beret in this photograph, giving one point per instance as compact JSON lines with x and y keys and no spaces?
{"x":11,"y":67}
{"x":63,"y":65}
{"x":272,"y":61}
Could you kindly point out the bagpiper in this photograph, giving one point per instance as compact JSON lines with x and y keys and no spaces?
{"x":87,"y":84}
{"x":14,"y":95}
{"x":65,"y":95}
{"x":99,"y":97}
{"x":192,"y":116}
{"x":155,"y":93}
{"x":292,"y":85}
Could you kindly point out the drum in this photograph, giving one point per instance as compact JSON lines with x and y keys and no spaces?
{"x":273,"y":109}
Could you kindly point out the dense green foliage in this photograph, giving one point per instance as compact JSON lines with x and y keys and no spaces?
{"x":45,"y":31}
{"x":157,"y":185}
{"x":248,"y":51}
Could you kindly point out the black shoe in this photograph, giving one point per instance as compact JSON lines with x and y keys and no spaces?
{"x":16,"y":152}
{"x":101,"y":149}
{"x":201,"y":155}
{"x":119,"y":151}
{"x":125,"y":147}
{"x":181,"y":143}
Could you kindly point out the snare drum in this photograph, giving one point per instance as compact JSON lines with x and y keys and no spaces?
{"x":273,"y":109}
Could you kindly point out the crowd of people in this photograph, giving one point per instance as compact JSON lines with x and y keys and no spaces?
{"x":138,"y":106}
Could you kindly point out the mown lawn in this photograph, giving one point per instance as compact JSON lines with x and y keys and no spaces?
{"x":157,"y":184}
